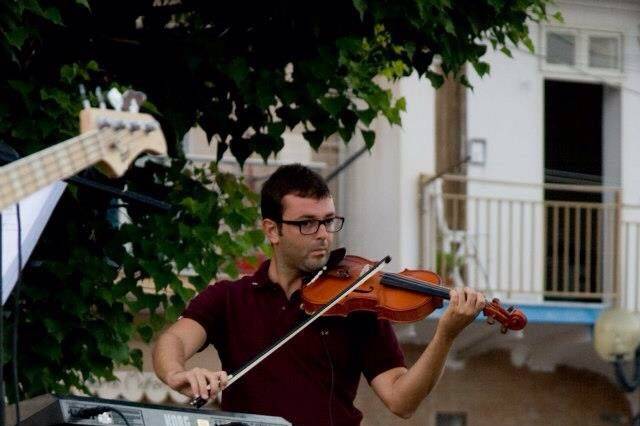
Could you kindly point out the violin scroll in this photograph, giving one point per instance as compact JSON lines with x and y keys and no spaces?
{"x":510,"y":318}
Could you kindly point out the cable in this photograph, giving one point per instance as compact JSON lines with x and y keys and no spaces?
{"x":16,"y":315}
{"x":118,"y":412}
{"x":87,"y":413}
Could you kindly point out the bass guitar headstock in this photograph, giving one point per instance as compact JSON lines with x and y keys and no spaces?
{"x":123,"y":133}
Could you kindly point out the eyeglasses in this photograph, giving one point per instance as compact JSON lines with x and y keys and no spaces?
{"x":311,"y":226}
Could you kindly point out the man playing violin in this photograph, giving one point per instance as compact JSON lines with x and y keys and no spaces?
{"x":313,"y":379}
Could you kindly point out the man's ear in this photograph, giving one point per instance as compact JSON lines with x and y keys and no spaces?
{"x":270,"y":229}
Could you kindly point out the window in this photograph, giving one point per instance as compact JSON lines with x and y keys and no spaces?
{"x":561,"y":48}
{"x":603,"y":52}
{"x":582,"y":51}
{"x":451,"y":419}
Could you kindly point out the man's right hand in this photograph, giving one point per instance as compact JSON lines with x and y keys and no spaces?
{"x":197,"y":382}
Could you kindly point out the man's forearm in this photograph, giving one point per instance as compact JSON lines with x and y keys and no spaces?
{"x":417,"y":382}
{"x":168,"y":356}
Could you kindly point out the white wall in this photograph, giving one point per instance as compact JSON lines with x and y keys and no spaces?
{"x":379,"y":190}
{"x":506,"y":109}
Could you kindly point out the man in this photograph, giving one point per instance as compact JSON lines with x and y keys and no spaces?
{"x":313,"y":379}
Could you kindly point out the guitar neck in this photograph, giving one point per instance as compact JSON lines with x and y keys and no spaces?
{"x":29,"y":174}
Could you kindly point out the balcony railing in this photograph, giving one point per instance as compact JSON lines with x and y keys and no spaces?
{"x":537,"y":242}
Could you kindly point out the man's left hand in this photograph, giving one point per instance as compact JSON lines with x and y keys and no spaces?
{"x":464,"y":305}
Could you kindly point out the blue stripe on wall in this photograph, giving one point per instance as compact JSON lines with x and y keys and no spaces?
{"x":565,"y":313}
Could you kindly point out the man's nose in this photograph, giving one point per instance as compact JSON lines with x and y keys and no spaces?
{"x":322,"y":231}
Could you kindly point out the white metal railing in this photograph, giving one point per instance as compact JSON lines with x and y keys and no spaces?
{"x":529,"y":241}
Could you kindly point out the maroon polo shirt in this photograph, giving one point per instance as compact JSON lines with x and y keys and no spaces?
{"x":313,"y":378}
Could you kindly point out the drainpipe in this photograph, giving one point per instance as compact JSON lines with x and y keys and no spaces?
{"x":345,"y":164}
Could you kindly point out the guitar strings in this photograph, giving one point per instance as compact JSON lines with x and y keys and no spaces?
{"x":24,"y":170}
{"x":86,"y":151}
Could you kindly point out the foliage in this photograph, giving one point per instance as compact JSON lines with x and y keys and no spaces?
{"x":447,"y":261}
{"x":245,"y":72}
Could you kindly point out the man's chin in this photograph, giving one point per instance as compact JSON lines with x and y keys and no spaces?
{"x":313,"y":263}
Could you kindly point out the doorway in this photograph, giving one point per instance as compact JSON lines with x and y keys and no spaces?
{"x":573,"y":138}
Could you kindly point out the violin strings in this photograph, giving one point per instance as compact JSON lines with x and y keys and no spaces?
{"x":418,"y":285}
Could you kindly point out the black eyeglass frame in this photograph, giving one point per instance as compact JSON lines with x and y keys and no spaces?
{"x":325,"y":222}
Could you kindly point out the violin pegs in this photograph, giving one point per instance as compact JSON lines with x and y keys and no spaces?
{"x":510,"y":309}
{"x":504,"y":329}
{"x":491,"y":320}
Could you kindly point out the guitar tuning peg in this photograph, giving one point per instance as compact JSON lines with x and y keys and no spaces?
{"x":101,"y":103}
{"x":115,"y":99}
{"x":83,"y":95}
{"x":133,"y":100}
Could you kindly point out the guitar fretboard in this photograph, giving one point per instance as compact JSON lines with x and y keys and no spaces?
{"x":29,"y":174}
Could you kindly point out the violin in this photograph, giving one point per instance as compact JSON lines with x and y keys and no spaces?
{"x":404,"y":297}
{"x":352,"y":283}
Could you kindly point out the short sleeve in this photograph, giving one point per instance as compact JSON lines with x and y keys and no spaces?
{"x":380,"y":349}
{"x":208,"y":310}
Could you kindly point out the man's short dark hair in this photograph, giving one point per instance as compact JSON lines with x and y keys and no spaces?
{"x":294,"y":179}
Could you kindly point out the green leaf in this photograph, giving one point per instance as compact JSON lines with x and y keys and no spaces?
{"x":32,"y":6}
{"x":67,"y":73}
{"x":172,"y":313}
{"x":369,"y":137}
{"x":84,"y":3}
{"x":314,"y":137}
{"x":345,"y":134}
{"x":367,"y":115}
{"x":506,"y":51}
{"x":17,"y":36}
{"x":334,"y":104}
{"x":349,"y":119}
{"x":361,"y":7}
{"x":448,"y":26}
{"x":401,"y":104}
{"x":62,"y":98}
{"x":23,"y":87}
{"x":558,"y":17}
{"x":481,"y":68}
{"x":136,"y":358}
{"x":256,"y":237}
{"x":91,"y":65}
{"x":316,"y":88}
{"x":529,"y":44}
{"x":437,"y":80}
{"x":238,"y":70}
{"x":276,"y":128}
{"x":53,"y":15}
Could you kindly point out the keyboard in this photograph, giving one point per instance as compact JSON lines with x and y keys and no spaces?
{"x":48,"y":410}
